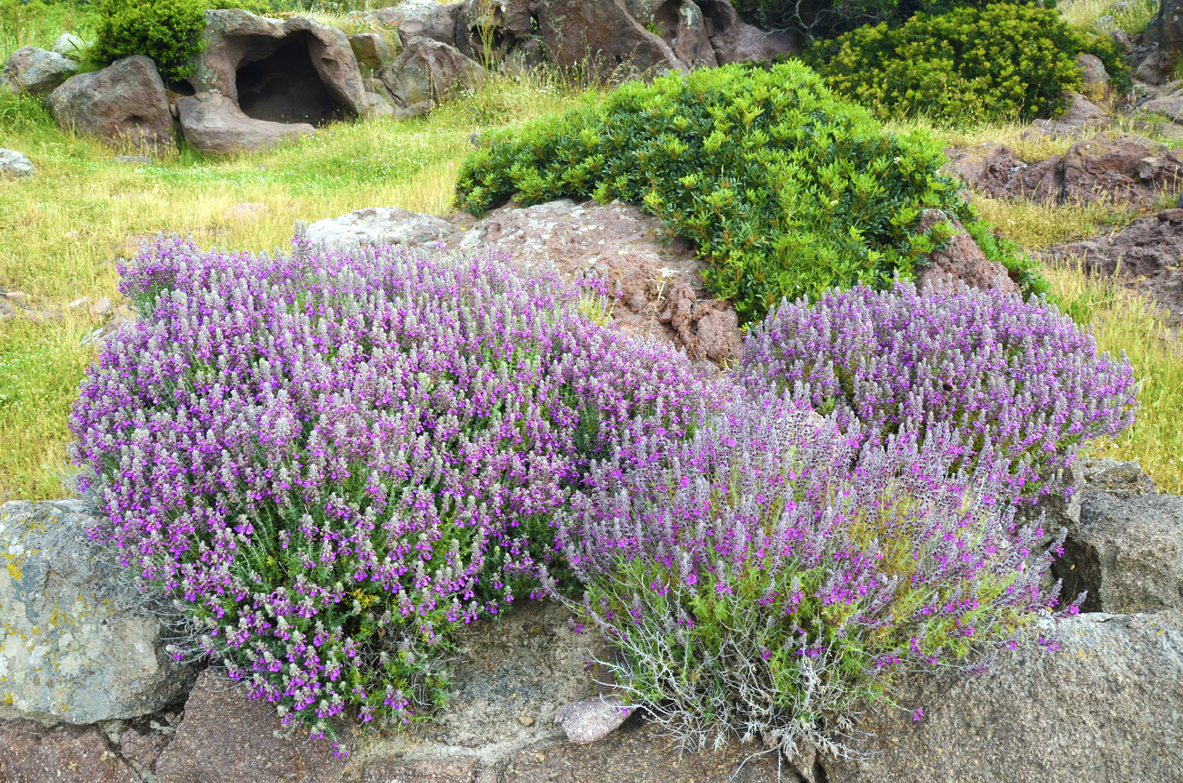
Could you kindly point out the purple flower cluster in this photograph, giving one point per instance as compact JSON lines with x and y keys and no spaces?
{"x":333,"y":459}
{"x":766,"y":575}
{"x":1018,"y":378}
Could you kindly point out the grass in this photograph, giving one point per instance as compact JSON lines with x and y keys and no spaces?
{"x":1085,"y":13}
{"x":62,"y":231}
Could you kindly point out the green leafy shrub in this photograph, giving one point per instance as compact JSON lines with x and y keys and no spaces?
{"x":826,"y":18}
{"x":971,"y":65}
{"x":168,"y":31}
{"x":786,"y":190}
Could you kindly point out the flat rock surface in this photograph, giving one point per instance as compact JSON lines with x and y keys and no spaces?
{"x":31,"y":753}
{"x":1103,"y":708}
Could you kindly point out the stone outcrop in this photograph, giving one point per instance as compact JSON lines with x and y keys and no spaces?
{"x":371,"y":50}
{"x":32,"y":753}
{"x":1082,"y":115}
{"x":429,"y":71}
{"x":70,"y":46}
{"x":227,"y":738}
{"x":76,"y":644}
{"x":1144,"y":256}
{"x":33,"y":71}
{"x":124,"y":103}
{"x":418,"y":19}
{"x":213,"y":123}
{"x":289,"y":70}
{"x":603,"y":36}
{"x":380,"y":226}
{"x":592,"y":719}
{"x":735,"y":41}
{"x":1102,"y":708}
{"x":1106,"y":168}
{"x":960,"y":260}
{"x":15,"y":164}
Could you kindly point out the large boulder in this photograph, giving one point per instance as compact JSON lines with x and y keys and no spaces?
{"x":371,"y":50}
{"x":77,"y":643}
{"x":428,"y":70}
{"x":1080,"y":116}
{"x":213,"y":123}
{"x":123,"y":103}
{"x":736,"y":41}
{"x":603,"y":36}
{"x":1128,"y":554}
{"x":379,"y":226}
{"x":15,"y":164}
{"x":70,"y":46}
{"x":502,"y":25}
{"x":418,"y":18}
{"x":279,"y":70}
{"x":33,"y":71}
{"x":1102,"y":708}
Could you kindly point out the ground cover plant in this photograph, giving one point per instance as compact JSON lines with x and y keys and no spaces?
{"x":967,"y":66}
{"x":768,"y":578}
{"x":1017,"y":380}
{"x":333,"y":460}
{"x":785,"y":190}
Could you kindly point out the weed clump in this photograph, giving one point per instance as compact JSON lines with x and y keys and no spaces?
{"x":786,"y":190}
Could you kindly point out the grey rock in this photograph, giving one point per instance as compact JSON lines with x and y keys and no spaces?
{"x":735,"y":41}
{"x":1081,"y":115}
{"x":1128,"y":554}
{"x":287,"y":70}
{"x":1103,"y":708}
{"x":692,"y":44}
{"x":380,"y":226}
{"x":15,"y":164}
{"x":77,"y":643}
{"x":417,"y":18}
{"x":213,"y":123}
{"x":70,"y":45}
{"x":1122,"y":39}
{"x":33,"y":71}
{"x":602,"y":35}
{"x":377,"y":105}
{"x":428,"y":70}
{"x":1094,"y":78}
{"x":1155,"y":69}
{"x":592,"y":719}
{"x":371,"y":50}
{"x":124,"y":103}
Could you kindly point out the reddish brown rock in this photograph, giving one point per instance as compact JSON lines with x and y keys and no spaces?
{"x":603,"y":36}
{"x":735,"y":41}
{"x":123,"y":103}
{"x":144,"y":749}
{"x":961,"y":259}
{"x":1081,"y":115}
{"x":655,"y":281}
{"x":31,"y":753}
{"x":226,"y":738}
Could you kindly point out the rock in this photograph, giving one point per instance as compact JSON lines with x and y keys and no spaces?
{"x":33,"y":71}
{"x":1171,"y":105}
{"x":228,"y":738}
{"x":31,"y":753}
{"x":1122,"y":39}
{"x":143,"y":749}
{"x":1080,"y":116}
{"x":601,"y":35}
{"x":1174,"y":215}
{"x":1170,"y":30}
{"x":1155,"y":69}
{"x":1128,"y":554}
{"x":377,"y":105}
{"x":1146,"y":252}
{"x":279,"y":70}
{"x":82,"y":644}
{"x":735,"y":41}
{"x":419,"y":18}
{"x":425,"y":771}
{"x":1105,"y":707}
{"x":657,"y":285}
{"x":214,"y":123}
{"x":640,"y":753}
{"x":380,"y":226}
{"x":691,"y":43}
{"x":122,"y":103}
{"x":70,"y":45}
{"x":1094,"y":79}
{"x":960,"y":259}
{"x":1108,"y":168}
{"x":428,"y":70}
{"x":371,"y":50}
{"x":15,"y":164}
{"x":592,"y":719}
{"x":506,"y":23}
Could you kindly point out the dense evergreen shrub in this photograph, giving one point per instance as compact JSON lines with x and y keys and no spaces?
{"x":333,"y":460}
{"x":765,"y":578}
{"x":826,"y":18}
{"x":1017,"y":380}
{"x":168,"y":31}
{"x":1003,"y":61}
{"x":786,"y":190}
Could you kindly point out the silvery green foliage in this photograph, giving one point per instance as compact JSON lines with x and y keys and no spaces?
{"x":769,"y":575}
{"x":333,"y":459}
{"x":1015,"y":378}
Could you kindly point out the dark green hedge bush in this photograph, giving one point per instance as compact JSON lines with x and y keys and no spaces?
{"x":168,"y":31}
{"x":827,"y":18}
{"x":1003,"y":61}
{"x":787,"y":190}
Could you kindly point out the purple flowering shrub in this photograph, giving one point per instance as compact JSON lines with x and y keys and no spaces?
{"x":332,"y":460}
{"x":768,"y":576}
{"x":1015,"y":378}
